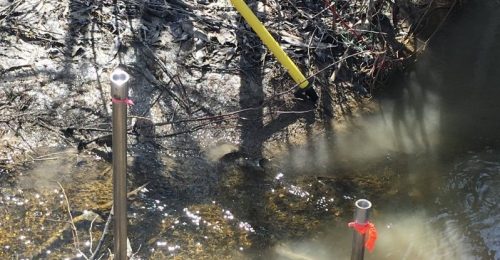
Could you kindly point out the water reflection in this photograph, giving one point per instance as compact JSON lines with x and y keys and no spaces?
{"x":407,"y":124}
{"x":455,"y":218}
{"x":476,"y":178}
{"x":438,"y":122}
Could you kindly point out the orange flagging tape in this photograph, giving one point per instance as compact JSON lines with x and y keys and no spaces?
{"x":369,"y":229}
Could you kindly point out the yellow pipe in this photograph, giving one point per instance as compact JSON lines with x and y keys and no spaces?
{"x":270,"y":42}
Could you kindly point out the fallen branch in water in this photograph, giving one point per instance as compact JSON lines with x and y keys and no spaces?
{"x":90,"y":234}
{"x":105,"y":231}
{"x":106,"y":226}
{"x":58,"y":235}
{"x":71,"y":224}
{"x":73,"y":227}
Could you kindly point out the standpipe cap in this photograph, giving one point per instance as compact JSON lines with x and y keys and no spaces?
{"x":362,"y":209}
{"x":119,"y":88}
{"x":363,"y":204}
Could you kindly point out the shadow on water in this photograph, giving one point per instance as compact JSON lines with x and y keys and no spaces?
{"x":175,"y":215}
{"x":251,"y":95}
{"x":146,"y":165}
{"x":171,"y":192}
{"x":442,"y":117}
{"x":469,"y":87}
{"x":250,"y":204}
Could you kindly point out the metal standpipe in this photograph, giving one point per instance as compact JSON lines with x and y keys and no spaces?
{"x":119,"y":94}
{"x":361,"y":213}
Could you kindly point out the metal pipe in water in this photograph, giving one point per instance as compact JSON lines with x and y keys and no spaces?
{"x":119,"y":94}
{"x":361,"y":213}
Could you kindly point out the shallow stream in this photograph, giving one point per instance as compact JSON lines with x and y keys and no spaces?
{"x":429,"y":159}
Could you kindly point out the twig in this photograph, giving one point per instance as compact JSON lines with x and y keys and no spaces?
{"x":45,"y":125}
{"x":344,"y":23}
{"x":318,"y":72}
{"x":191,"y":130}
{"x":196,"y":119}
{"x":328,"y":7}
{"x":294,"y":112}
{"x":90,"y":233}
{"x":441,"y":23}
{"x":234,"y":113}
{"x":12,"y":117}
{"x":42,"y":157}
{"x":50,"y":154}
{"x":73,"y":227}
{"x":154,"y":102}
{"x":95,"y":130}
{"x":171,"y":77}
{"x":24,"y":140}
{"x":421,"y":18}
{"x":46,"y":159}
{"x":13,"y":68}
{"x":12,"y":7}
{"x":105,"y":231}
{"x":333,"y":77}
{"x":137,"y":251}
{"x":309,"y":47}
{"x":82,"y":254}
{"x":108,"y":221}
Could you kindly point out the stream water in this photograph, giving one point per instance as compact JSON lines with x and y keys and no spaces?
{"x":444,"y":115}
{"x":429,"y":159}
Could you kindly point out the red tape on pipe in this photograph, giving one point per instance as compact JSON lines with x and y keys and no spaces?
{"x":369,"y":229}
{"x":124,"y":101}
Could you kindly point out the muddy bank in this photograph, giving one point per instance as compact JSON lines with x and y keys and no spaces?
{"x":200,"y":76}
